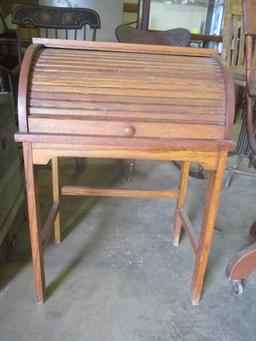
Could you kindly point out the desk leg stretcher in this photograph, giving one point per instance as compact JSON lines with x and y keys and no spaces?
{"x":56,"y":198}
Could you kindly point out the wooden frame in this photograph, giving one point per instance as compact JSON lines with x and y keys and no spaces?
{"x":41,"y":146}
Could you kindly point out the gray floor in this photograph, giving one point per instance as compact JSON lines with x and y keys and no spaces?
{"x":116,"y":275}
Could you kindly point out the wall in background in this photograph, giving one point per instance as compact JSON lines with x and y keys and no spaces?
{"x":110,"y":11}
{"x":130,"y":17}
{"x":164,"y":15}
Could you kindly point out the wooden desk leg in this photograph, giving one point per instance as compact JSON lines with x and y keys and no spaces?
{"x":34,"y":223}
{"x":181,"y":200}
{"x":56,"y":198}
{"x":209,"y":218}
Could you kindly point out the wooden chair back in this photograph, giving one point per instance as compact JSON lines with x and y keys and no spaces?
{"x":233,"y":37}
{"x":53,"y":22}
{"x":249,"y":12}
{"x":173,"y":37}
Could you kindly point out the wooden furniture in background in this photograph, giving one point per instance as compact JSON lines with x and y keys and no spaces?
{"x":173,"y":37}
{"x":127,"y":101}
{"x":130,"y":7}
{"x":144,"y":13}
{"x":233,"y":36}
{"x":53,"y":22}
{"x":234,"y":53}
{"x":204,"y":39}
{"x":243,"y":263}
{"x":11,"y":175}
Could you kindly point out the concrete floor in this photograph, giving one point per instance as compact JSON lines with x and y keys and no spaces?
{"x":116,"y":275}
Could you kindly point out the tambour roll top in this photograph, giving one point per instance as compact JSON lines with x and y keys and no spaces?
{"x":111,"y":89}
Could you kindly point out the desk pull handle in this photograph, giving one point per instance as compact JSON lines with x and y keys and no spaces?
{"x":129,"y":131}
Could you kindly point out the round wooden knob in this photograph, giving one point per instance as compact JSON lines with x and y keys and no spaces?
{"x":129,"y":131}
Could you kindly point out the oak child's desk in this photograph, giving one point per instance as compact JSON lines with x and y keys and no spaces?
{"x":112,"y":100}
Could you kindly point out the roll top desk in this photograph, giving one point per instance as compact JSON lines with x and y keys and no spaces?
{"x":112,"y":100}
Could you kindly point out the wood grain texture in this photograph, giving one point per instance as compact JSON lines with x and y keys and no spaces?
{"x":130,"y":8}
{"x":122,"y":47}
{"x":113,"y":127}
{"x":122,"y":85}
{"x":202,"y":145}
{"x":42,"y":153}
{"x":207,"y":229}
{"x":242,"y":264}
{"x":189,"y":228}
{"x":23,"y":86}
{"x":117,"y":192}
{"x":56,"y":198}
{"x":184,"y":177}
{"x":230,"y":97}
{"x":49,"y":223}
{"x":249,"y":10}
{"x":34,"y":224}
{"x":234,"y":38}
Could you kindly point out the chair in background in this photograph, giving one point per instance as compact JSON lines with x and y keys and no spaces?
{"x":243,"y":263}
{"x":8,"y":58}
{"x":174,"y":37}
{"x":54,"y":22}
{"x":234,"y":53}
{"x":57,"y":23}
{"x":233,"y":36}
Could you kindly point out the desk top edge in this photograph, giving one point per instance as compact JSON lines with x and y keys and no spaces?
{"x":169,"y":143}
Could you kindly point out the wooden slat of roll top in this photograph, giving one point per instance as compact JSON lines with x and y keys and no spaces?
{"x":93,"y":80}
{"x":139,"y":53}
{"x":157,"y":74}
{"x":88,"y":86}
{"x":127,"y":59}
{"x":122,"y":91}
{"x":93,"y":72}
{"x":128,"y":100}
{"x":110,"y":106}
{"x":172,"y":62}
{"x":122,"y":116}
{"x":96,"y":77}
{"x":48,"y":56}
{"x":136,"y":114}
{"x":121,"y":88}
{"x":117,"y":128}
{"x":123,"y":47}
{"x":128,"y":68}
